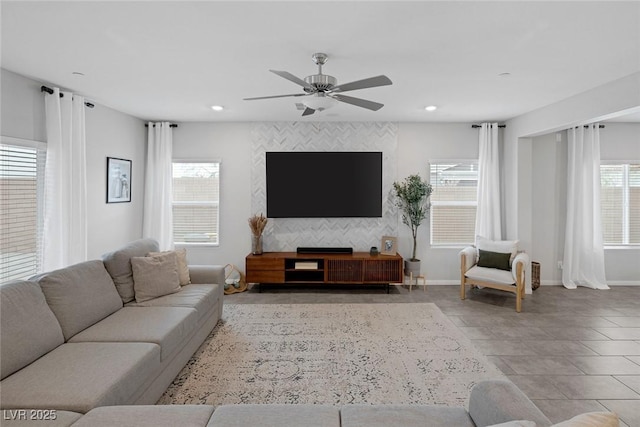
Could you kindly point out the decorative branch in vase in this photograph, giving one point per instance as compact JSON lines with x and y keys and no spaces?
{"x":257,"y":223}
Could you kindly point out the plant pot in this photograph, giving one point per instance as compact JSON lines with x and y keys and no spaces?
{"x":412,"y":267}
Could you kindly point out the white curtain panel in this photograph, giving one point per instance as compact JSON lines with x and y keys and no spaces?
{"x":488,"y":219}
{"x":65,"y":194}
{"x":157,"y":220}
{"x":583,"y":263}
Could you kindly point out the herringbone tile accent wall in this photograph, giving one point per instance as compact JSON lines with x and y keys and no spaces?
{"x":286,"y":234}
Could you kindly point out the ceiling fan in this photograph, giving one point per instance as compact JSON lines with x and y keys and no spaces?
{"x":323,"y":89}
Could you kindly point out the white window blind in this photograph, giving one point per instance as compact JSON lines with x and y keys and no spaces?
{"x":620,"y":204}
{"x":196,"y":202}
{"x":21,"y":218}
{"x":453,"y":202}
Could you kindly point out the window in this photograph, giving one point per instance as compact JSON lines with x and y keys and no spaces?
{"x":196,"y":202}
{"x":21,"y":192}
{"x":620,"y":204}
{"x":453,"y":202}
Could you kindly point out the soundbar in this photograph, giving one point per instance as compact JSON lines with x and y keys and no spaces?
{"x":324,"y":250}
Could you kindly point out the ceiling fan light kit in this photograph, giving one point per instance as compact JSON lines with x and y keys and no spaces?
{"x":323,"y":90}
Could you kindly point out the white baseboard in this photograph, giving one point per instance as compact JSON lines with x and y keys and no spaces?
{"x":442,"y":282}
{"x":623,"y":282}
{"x":435,"y":282}
{"x":609,"y":282}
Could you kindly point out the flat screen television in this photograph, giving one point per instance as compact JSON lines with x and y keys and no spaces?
{"x":324,"y":184}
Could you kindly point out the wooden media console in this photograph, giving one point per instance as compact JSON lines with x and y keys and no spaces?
{"x":320,"y":268}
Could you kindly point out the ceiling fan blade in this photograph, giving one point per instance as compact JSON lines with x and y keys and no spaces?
{"x":308,"y":111}
{"x":375,"y":106}
{"x":292,"y":78}
{"x":276,"y":96}
{"x":363,"y":84}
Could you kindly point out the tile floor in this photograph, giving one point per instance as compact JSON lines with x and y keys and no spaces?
{"x":570,"y":351}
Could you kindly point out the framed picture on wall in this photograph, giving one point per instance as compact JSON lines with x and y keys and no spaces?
{"x":388,"y":245}
{"x":118,"y":180}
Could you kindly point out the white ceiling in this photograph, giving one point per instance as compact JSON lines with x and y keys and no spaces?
{"x":173,"y":60}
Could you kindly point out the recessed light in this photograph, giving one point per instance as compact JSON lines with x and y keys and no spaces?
{"x":504,"y":74}
{"x":77,"y":73}
{"x":217,"y":107}
{"x":431,"y":108}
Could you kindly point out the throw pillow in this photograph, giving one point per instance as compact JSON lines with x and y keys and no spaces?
{"x":183,"y":266}
{"x":516,"y":423}
{"x":592,"y":419}
{"x":503,"y":246}
{"x":155,"y":276}
{"x":494,"y":260}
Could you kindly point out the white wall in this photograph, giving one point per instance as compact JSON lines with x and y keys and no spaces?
{"x":113,"y":134}
{"x":231,"y":144}
{"x":418,"y":143}
{"x":109,"y":133}
{"x":618,"y":141}
{"x":613,"y":99}
{"x":22,"y":107}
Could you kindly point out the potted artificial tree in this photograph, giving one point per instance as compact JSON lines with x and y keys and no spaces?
{"x":412,"y":197}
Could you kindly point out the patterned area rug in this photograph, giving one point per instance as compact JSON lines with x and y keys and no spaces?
{"x":332,"y":354}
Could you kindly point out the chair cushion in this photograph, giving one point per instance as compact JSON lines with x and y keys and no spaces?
{"x":490,"y":275}
{"x":275,"y":416}
{"x":148,"y":416}
{"x":510,"y":246}
{"x":118,"y":264}
{"x":80,"y":295}
{"x":81,"y":376}
{"x":29,"y":327}
{"x":404,"y":415}
{"x":490,"y":259}
{"x":164,"y":326}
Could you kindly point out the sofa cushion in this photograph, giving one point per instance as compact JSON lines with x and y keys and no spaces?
{"x":155,"y":276}
{"x":29,"y":327}
{"x":499,"y":401}
{"x":81,"y":376}
{"x":167,"y":327}
{"x":183,"y":265}
{"x":275,"y":416}
{"x":118,"y":264}
{"x":148,"y":416}
{"x":80,"y":295}
{"x":200,"y":297}
{"x":404,"y":415}
{"x":38,"y":418}
{"x":491,"y":275}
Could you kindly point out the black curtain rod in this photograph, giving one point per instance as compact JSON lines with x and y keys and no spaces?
{"x":479,"y":126}
{"x":599,"y":126}
{"x":172,"y":125}
{"x":50,"y":92}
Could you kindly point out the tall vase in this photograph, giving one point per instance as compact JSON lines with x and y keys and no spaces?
{"x":256,"y":244}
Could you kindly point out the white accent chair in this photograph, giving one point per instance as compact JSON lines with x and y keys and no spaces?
{"x":510,"y":281}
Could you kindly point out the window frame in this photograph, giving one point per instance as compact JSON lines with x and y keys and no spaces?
{"x":41,"y":150}
{"x":449,"y":203}
{"x":626,"y":214}
{"x":196,"y":203}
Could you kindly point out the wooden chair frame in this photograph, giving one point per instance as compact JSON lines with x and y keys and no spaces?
{"x":518,"y":289}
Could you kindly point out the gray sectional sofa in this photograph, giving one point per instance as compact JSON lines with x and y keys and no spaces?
{"x":74,"y":340}
{"x":77,"y":349}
